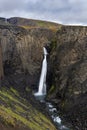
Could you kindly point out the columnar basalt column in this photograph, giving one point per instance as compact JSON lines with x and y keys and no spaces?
{"x":1,"y":64}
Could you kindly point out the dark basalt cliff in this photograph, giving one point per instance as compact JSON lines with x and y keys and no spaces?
{"x":21,"y":44}
{"x":1,"y":64}
{"x":22,"y":51}
{"x":69,"y":59}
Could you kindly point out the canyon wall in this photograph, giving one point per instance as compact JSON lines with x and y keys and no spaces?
{"x":22,"y":51}
{"x":1,"y":64}
{"x":69,"y":63}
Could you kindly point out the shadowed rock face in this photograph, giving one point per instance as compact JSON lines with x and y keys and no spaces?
{"x":1,"y":65}
{"x":22,"y":51}
{"x":69,"y":59}
{"x":70,"y":62}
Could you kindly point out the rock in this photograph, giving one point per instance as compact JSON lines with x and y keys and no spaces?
{"x":1,"y":65}
{"x":22,"y":50}
{"x":3,"y":21}
{"x":69,"y":63}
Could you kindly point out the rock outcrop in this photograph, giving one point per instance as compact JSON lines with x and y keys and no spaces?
{"x":1,"y":65}
{"x":69,"y":59}
{"x":70,"y":62}
{"x":22,"y":50}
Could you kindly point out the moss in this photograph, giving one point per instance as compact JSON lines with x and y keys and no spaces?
{"x":11,"y":98}
{"x":5,"y":118}
{"x":47,"y":25}
{"x":27,"y":89}
{"x":19,"y":109}
{"x":16,"y":110}
{"x":14,"y":91}
{"x":28,"y":27}
{"x":2,"y":98}
{"x":43,"y":24}
{"x":54,"y":44}
{"x":51,"y":90}
{"x":13,"y":118}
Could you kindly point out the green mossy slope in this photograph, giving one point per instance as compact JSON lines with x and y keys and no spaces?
{"x":16,"y":111}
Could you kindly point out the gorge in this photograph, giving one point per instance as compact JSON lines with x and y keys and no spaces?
{"x":21,"y":54}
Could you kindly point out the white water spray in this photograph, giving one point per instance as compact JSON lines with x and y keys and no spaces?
{"x":42,"y":82}
{"x":42,"y":92}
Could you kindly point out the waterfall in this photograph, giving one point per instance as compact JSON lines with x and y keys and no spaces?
{"x":40,"y":95}
{"x":42,"y":81}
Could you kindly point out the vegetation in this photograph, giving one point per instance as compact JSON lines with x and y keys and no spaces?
{"x":51,"y":90}
{"x":42,"y":24}
{"x":15,"y":110}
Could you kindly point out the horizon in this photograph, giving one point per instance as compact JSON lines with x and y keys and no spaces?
{"x":69,"y":12}
{"x":73,"y":24}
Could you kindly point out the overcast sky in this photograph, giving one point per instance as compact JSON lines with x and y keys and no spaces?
{"x":61,"y":11}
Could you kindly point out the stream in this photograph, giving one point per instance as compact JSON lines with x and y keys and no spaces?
{"x":54,"y":114}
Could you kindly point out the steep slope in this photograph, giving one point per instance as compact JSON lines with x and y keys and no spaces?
{"x":1,"y":65}
{"x":69,"y":62}
{"x":18,"y":113}
{"x":23,"y":50}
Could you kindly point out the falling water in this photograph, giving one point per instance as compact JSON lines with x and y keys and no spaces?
{"x":42,"y":93}
{"x":42,"y":82}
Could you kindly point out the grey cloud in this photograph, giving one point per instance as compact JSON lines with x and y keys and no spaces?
{"x":66,"y":11}
{"x":9,"y":5}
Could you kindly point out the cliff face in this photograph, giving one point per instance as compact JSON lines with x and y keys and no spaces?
{"x":25,"y":45}
{"x":70,"y":62}
{"x":22,"y":50}
{"x":1,"y":65}
{"x":69,"y":59}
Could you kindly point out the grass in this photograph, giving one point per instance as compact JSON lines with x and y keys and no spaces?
{"x":15,"y":110}
{"x":43,"y":24}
